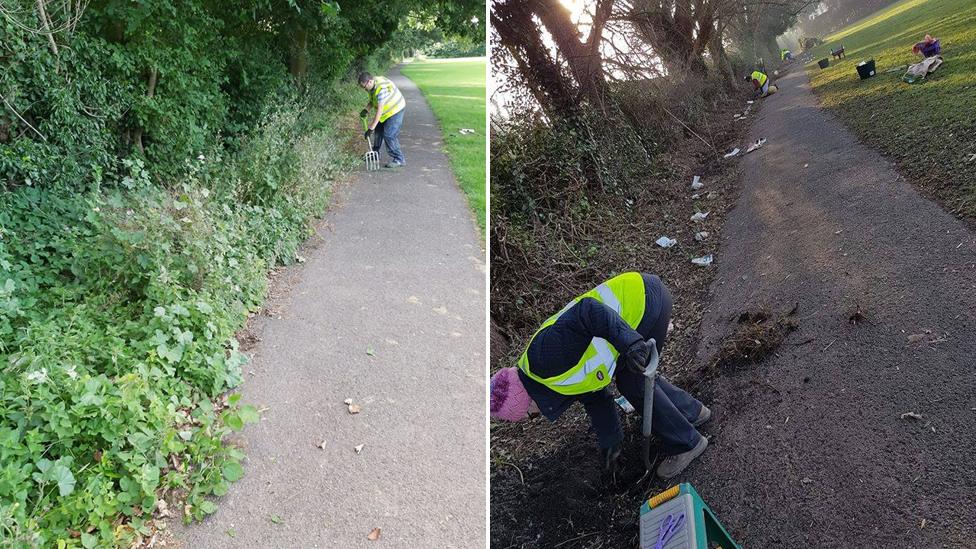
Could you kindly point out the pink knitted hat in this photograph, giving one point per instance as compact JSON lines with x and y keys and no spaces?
{"x":509,"y":401}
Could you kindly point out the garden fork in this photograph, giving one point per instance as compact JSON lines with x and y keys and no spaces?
{"x":371,"y":158}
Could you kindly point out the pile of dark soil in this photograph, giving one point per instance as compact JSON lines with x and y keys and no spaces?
{"x":758,"y":335}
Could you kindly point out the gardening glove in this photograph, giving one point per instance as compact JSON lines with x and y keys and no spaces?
{"x":368,"y":134}
{"x":609,"y":457}
{"x":363,"y":113}
{"x":636,"y":357}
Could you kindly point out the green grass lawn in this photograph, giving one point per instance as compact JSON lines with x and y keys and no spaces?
{"x":928,"y":128}
{"x":455,"y":90}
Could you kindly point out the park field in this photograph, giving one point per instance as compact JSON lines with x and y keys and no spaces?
{"x":455,"y":89}
{"x":928,"y":129}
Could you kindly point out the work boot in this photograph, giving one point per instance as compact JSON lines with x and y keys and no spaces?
{"x":703,"y":416}
{"x":673,"y":465}
{"x":394,"y":164}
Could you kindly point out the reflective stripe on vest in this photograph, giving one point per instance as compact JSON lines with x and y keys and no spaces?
{"x":394,"y":103}
{"x":625,"y":295}
{"x":756,"y":75}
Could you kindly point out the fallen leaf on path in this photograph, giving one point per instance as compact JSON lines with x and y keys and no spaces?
{"x":347,"y":402}
{"x":354,"y":408}
{"x":373,"y":535}
{"x":321,"y":445}
{"x":370,"y":351}
{"x":911,"y":415}
{"x":359,"y":449}
{"x":923,"y":524}
{"x":915,"y":338}
{"x":413,"y":299}
{"x":276,"y":519}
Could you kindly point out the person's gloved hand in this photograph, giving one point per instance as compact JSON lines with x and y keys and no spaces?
{"x":368,"y":134}
{"x":636,"y":357}
{"x":363,"y":113}
{"x":609,"y":457}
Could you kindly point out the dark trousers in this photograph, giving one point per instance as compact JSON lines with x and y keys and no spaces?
{"x":674,"y":409}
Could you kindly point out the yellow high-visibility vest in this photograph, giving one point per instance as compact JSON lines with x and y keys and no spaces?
{"x":394,"y":103}
{"x":761,"y":77}
{"x":623,"y":293}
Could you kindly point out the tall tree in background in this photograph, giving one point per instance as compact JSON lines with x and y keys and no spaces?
{"x":569,"y":70}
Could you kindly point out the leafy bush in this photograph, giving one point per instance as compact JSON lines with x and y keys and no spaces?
{"x":118,"y":309}
{"x":456,"y":47}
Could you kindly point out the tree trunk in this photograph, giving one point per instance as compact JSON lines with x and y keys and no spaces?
{"x":298,"y":56}
{"x":582,"y":58}
{"x":46,"y":26}
{"x":150,"y":92}
{"x":520,"y":36}
{"x":721,"y":60}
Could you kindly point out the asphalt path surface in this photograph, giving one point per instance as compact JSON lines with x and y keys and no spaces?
{"x":811,"y":448}
{"x":399,"y":272}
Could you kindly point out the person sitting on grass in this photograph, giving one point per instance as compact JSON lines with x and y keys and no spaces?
{"x":597,"y":337}
{"x":389,"y":103}
{"x":928,"y":47}
{"x":760,"y":84}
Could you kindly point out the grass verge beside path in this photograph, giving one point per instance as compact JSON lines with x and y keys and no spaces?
{"x":455,"y":89}
{"x":929,"y":129}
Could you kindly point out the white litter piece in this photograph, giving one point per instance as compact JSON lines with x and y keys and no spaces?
{"x":750,"y":102}
{"x":625,"y":405}
{"x":734,"y":152}
{"x":759,"y":143}
{"x":695,"y":196}
{"x":712,"y":195}
{"x":701,"y":235}
{"x":696,"y":183}
{"x":703,"y":261}
{"x":699,"y":216}
{"x":806,"y":165}
{"x":466,"y":131}
{"x":665,"y":242}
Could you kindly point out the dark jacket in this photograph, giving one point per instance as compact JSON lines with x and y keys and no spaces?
{"x":559,"y":346}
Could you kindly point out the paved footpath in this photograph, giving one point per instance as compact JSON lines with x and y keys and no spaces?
{"x":810,"y":448}
{"x":400,"y":272}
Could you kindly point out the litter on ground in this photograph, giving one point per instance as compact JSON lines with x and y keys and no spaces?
{"x":665,"y":242}
{"x":732,"y":153}
{"x":696,"y":183}
{"x":701,"y":235}
{"x":625,"y":405}
{"x":759,"y":143}
{"x":911,"y":415}
{"x":699,"y":216}
{"x":466,"y":131}
{"x":703,"y":261}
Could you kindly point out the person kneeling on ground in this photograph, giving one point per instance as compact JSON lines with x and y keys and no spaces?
{"x":598,"y":337}
{"x":389,"y":103}
{"x":760,"y":83}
